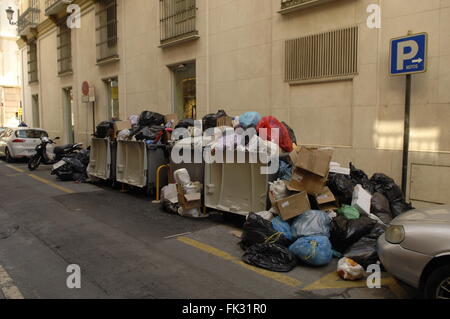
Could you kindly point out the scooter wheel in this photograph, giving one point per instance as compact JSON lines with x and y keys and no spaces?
{"x":34,"y":163}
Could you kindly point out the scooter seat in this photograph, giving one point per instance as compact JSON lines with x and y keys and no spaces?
{"x":63,"y":148}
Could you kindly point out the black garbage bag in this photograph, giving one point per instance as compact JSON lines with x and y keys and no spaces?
{"x":386,"y":186}
{"x":271,"y":257}
{"x":381,"y":208}
{"x":75,"y":164}
{"x":345,"y":233}
{"x":148,"y":118}
{"x":360,"y":177}
{"x":210,"y":120}
{"x":291,"y":132}
{"x":185,"y":123}
{"x":149,"y":133}
{"x":104,"y":129}
{"x":342,"y":187}
{"x":257,"y":230}
{"x":364,"y":251}
{"x":169,"y":207}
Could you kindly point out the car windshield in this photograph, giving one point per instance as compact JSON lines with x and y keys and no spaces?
{"x":31,"y":134}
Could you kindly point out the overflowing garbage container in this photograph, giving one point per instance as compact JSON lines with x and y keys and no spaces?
{"x":137,"y":163}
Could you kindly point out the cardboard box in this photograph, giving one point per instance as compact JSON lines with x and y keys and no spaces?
{"x":170,"y":117}
{"x":121,"y":125}
{"x":361,"y":199}
{"x":326,"y":200}
{"x":188,"y":201}
{"x":304,"y":181}
{"x":340,"y":170}
{"x":225,"y":121}
{"x":313,"y":160}
{"x":291,"y":206}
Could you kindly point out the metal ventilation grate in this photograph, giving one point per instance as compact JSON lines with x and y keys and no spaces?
{"x":321,"y":56}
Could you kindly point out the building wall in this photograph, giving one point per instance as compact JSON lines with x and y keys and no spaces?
{"x":240,"y":67}
{"x":10,"y":81}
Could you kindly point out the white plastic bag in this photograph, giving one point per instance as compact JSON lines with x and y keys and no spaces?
{"x":170,"y":193}
{"x":279,"y":189}
{"x":348,"y":269}
{"x":194,"y":213}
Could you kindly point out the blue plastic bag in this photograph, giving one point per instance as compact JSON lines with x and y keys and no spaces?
{"x":314,"y":250}
{"x":311,"y":223}
{"x":285,"y":171}
{"x":249,"y":119}
{"x":283,"y":227}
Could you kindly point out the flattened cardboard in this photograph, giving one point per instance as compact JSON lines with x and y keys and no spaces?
{"x":316,"y":161}
{"x":291,"y":206}
{"x":306,"y":181}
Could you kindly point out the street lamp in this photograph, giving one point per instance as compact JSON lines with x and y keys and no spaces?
{"x":9,"y":15}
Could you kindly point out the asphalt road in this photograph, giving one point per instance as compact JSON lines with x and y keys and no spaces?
{"x":125,"y":248}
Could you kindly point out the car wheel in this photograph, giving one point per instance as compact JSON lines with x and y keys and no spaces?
{"x":438,"y":284}
{"x":8,"y":156}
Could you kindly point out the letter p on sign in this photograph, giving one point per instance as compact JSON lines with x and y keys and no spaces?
{"x":409,"y":54}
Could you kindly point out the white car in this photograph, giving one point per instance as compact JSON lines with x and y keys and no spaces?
{"x":20,"y":142}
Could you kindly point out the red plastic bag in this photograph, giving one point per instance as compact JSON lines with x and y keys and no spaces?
{"x":270,"y":122}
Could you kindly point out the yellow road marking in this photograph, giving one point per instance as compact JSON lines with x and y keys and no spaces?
{"x":16,"y":168}
{"x":10,"y":291}
{"x":289,"y":281}
{"x":13,"y":175}
{"x":333,"y":281}
{"x":49,"y":183}
{"x":42,"y":180}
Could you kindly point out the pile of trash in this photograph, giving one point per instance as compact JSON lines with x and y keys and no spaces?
{"x":150,"y":127}
{"x":322,"y":211}
{"x":221,"y":132}
{"x":75,"y":167}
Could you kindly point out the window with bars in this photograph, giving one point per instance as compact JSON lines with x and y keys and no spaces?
{"x":178,"y":21}
{"x":32,"y":63}
{"x":64,"y":48}
{"x":323,"y":56}
{"x":288,"y":6}
{"x":106,"y":30}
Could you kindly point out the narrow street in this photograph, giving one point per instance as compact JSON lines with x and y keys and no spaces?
{"x":125,"y":248}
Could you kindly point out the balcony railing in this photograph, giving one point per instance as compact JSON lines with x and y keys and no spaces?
{"x":178,"y":21}
{"x":28,"y":20}
{"x":53,"y":7}
{"x":288,"y":6}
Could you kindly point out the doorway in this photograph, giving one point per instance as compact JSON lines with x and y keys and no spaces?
{"x":185,"y":91}
{"x":69,"y":119}
{"x":112,"y":87}
{"x":35,"y":110}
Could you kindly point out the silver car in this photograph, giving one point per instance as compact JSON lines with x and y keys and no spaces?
{"x":20,"y":142}
{"x":416,"y":250}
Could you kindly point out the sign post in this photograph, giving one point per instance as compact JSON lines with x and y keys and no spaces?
{"x":408,"y":56}
{"x":89,"y":96}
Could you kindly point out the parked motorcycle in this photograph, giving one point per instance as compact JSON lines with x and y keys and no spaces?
{"x":43,"y":155}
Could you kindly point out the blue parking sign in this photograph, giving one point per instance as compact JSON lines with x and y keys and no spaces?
{"x":409,"y":54}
